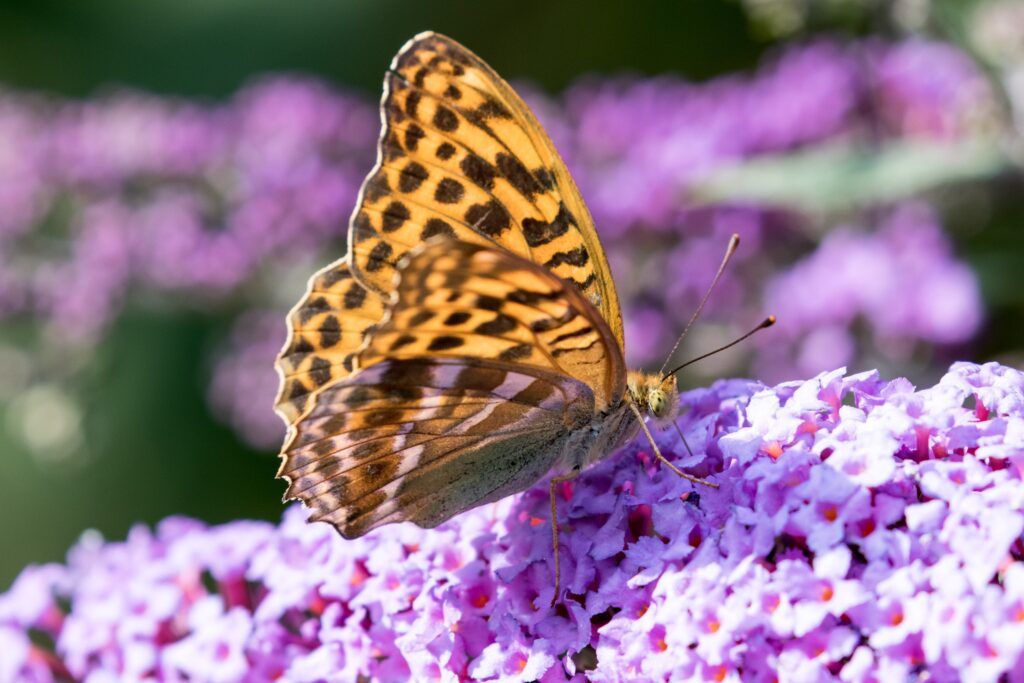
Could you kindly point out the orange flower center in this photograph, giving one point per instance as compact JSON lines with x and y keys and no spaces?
{"x":867,"y":527}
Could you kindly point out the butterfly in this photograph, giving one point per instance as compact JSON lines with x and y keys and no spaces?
{"x":471,"y":341}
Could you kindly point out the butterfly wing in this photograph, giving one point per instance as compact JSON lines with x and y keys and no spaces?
{"x":423,"y":439}
{"x":465,"y":300}
{"x":461,"y":155}
{"x":325,"y":329}
{"x":484,"y":372}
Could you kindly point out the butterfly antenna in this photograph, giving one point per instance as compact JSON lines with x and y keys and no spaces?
{"x":767,"y":322}
{"x":734,"y":243}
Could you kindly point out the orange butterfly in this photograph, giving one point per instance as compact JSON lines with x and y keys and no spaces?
{"x":471,"y":341}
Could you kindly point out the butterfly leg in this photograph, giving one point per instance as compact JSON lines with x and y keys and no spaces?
{"x":555,"y":481}
{"x":662,"y":458}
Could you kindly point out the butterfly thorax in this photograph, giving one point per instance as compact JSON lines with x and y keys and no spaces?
{"x":617,"y":425}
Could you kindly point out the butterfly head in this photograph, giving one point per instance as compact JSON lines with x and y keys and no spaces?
{"x":653,"y":395}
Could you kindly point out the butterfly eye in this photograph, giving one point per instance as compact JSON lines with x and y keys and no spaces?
{"x":657,"y":402}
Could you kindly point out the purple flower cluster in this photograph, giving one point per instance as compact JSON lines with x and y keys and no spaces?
{"x":900,"y":284}
{"x":862,"y":531}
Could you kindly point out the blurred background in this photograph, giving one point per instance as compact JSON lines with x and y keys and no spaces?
{"x":171,"y":173}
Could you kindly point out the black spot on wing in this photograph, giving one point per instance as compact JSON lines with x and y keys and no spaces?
{"x":488,"y":303}
{"x":354,"y":297}
{"x":334,"y":276}
{"x":445,"y":342}
{"x":413,"y":135}
{"x":445,"y":119}
{"x":412,"y":177}
{"x":490,"y":109}
{"x":449,"y":191}
{"x":583,"y":286}
{"x":394,"y":216}
{"x":320,"y":371}
{"x":490,"y":219}
{"x":544,"y":177}
{"x":362,"y":227}
{"x":420,"y":317}
{"x":302,"y":345}
{"x":377,"y":186}
{"x":379,"y":257}
{"x":412,"y":103}
{"x":582,"y":332}
{"x":517,"y":352}
{"x":435,"y":227}
{"x":479,"y":171}
{"x":445,"y":151}
{"x":518,"y":175}
{"x":457,"y":318}
{"x":499,"y":325}
{"x":317,"y":305}
{"x":539,"y":233}
{"x":297,"y":389}
{"x":394,"y":112}
{"x":330,"y":332}
{"x":574,"y":257}
{"x":392,"y":147}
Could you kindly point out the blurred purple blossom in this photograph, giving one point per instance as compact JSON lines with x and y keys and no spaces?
{"x":863,"y":531}
{"x":169,"y":195}
{"x":927,"y":89}
{"x":901,"y":283}
{"x":245,"y":382}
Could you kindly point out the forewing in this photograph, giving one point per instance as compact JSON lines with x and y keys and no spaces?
{"x":462,"y":300}
{"x":461,"y":155}
{"x":423,"y":439}
{"x":325,"y":329}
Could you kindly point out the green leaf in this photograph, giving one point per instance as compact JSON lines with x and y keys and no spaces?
{"x":843,"y":177}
